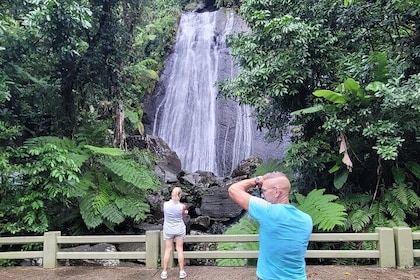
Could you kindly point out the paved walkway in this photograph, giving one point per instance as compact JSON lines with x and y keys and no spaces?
{"x":201,"y":273}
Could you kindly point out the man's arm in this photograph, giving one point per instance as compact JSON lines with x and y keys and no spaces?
{"x":238,"y":192}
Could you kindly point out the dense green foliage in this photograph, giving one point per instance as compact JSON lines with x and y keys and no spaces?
{"x":246,"y":225}
{"x":57,"y":182}
{"x":78,"y":71}
{"x":344,"y":75}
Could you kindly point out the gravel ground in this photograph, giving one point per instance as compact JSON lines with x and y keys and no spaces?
{"x":202,"y":273}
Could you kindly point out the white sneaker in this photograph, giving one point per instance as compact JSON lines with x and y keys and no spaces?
{"x":182,"y":274}
{"x":164,"y":275}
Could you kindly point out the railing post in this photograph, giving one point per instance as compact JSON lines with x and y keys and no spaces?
{"x":386,"y":247}
{"x":162,"y":252}
{"x":152,"y":248}
{"x":50,"y":249}
{"x":404,"y":246}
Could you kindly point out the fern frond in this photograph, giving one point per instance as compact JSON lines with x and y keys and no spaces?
{"x":132,"y":207}
{"x":105,"y":151}
{"x":231,"y":262}
{"x":357,"y":200}
{"x":378,"y":212}
{"x":78,"y":159}
{"x":111,"y":213}
{"x":91,"y":218}
{"x":358,"y":220}
{"x":246,"y":225}
{"x":143,"y":157}
{"x":399,"y":192}
{"x":64,"y":143}
{"x":325,"y":213}
{"x":397,"y":213}
{"x":413,"y":198}
{"x":132,"y":173}
{"x":102,"y":199}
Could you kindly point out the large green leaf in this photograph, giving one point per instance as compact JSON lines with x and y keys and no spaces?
{"x":414,"y":168}
{"x":330,"y":95}
{"x":375,"y":86}
{"x":353,"y":86}
{"x":340,"y":178}
{"x":308,"y":110}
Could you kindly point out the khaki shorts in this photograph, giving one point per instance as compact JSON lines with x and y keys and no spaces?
{"x":168,"y":236}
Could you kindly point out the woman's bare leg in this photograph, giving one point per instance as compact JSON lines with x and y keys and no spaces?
{"x":167,"y":254}
{"x":179,"y":243}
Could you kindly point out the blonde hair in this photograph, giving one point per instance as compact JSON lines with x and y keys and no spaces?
{"x":176,"y":193}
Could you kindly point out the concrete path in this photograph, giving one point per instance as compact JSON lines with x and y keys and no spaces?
{"x":327,"y":272}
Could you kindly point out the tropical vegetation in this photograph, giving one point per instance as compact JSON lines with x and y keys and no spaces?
{"x":340,"y":78}
{"x":72,"y":78}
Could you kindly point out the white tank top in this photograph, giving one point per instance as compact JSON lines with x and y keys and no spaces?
{"x":173,"y":222}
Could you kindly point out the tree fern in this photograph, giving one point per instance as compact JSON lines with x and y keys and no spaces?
{"x":131,"y":172}
{"x":88,"y":212}
{"x":112,"y":213}
{"x":102,"y":198}
{"x":132,"y":207}
{"x":325,"y":213}
{"x":106,"y":184}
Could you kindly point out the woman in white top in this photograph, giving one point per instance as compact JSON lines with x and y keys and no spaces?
{"x":174,"y":230}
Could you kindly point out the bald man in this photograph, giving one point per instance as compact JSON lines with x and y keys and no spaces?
{"x":284,"y":229}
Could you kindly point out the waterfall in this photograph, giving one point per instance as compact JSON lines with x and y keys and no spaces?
{"x":208,"y":133}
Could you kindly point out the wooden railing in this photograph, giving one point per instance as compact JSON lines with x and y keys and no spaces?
{"x":385,"y":252}
{"x":394,"y":247}
{"x":51,"y":251}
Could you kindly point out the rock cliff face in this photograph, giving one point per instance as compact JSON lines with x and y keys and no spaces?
{"x":210,"y":208}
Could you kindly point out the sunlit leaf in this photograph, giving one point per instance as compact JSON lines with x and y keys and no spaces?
{"x":330,"y":95}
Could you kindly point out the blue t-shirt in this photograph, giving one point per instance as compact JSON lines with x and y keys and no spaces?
{"x":283,"y":239}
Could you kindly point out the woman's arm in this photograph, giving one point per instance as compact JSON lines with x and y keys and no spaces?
{"x":184,"y":209}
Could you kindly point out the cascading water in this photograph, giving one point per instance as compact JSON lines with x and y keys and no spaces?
{"x":207,"y":133}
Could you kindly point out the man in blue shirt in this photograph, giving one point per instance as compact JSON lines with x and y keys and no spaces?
{"x":284,"y":229}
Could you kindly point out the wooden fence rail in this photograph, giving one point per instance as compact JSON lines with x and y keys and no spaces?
{"x":394,"y":247}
